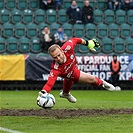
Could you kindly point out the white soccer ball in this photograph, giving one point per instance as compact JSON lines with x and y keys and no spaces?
{"x":118,"y":88}
{"x":46,"y":101}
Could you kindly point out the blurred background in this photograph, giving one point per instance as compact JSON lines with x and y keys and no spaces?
{"x":24,"y":64}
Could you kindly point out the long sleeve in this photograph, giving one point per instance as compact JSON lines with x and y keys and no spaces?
{"x":51,"y":80}
{"x":76,"y":41}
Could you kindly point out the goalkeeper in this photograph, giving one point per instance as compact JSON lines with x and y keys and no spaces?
{"x":65,"y":65}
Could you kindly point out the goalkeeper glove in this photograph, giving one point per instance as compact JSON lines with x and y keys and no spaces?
{"x":92,"y":44}
{"x":42,"y":93}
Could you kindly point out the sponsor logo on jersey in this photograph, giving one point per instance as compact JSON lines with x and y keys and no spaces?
{"x":72,"y":56}
{"x":70,"y":65}
{"x":69,"y":74}
{"x":56,"y":65}
{"x":67,"y":48}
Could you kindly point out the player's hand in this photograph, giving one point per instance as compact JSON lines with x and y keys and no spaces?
{"x":38,"y":101}
{"x":92,"y":44}
{"x":42,"y":93}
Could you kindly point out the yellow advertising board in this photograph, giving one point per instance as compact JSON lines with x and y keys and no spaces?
{"x":12,"y":67}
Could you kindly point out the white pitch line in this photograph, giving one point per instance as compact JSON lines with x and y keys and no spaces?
{"x":9,"y":130}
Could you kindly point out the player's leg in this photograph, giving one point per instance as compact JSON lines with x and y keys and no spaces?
{"x":113,"y":78}
{"x":90,"y":79}
{"x":117,"y":78}
{"x":67,"y":84}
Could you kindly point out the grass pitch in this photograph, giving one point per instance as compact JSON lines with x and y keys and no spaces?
{"x":108,"y":123}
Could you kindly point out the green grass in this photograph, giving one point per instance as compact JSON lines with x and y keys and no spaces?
{"x":97,"y":124}
{"x":85,"y":99}
{"x":86,"y":124}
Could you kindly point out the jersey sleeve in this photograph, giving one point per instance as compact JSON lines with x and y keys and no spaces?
{"x":71,"y":43}
{"x":76,"y":41}
{"x":51,"y":80}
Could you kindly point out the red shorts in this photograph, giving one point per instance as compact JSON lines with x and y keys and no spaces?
{"x":75,"y":75}
{"x":69,"y":81}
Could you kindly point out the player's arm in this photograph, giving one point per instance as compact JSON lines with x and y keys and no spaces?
{"x":91,"y":44}
{"x":46,"y":89}
{"x":48,"y":86}
{"x":50,"y":83}
{"x":51,"y":80}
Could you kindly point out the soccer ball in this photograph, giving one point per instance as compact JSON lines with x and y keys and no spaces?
{"x":118,"y":88}
{"x":46,"y":101}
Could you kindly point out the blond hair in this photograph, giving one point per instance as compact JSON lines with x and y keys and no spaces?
{"x":53,"y":47}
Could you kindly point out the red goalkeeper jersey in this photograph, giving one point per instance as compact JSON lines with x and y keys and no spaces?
{"x":66,"y":70}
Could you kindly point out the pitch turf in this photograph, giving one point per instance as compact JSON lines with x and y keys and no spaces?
{"x":94,"y":112}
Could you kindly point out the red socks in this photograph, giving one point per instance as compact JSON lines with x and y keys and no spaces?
{"x":98,"y":82}
{"x":67,"y":84}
